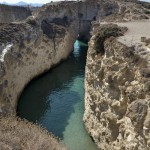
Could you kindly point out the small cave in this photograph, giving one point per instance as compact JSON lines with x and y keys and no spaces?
{"x":84,"y":28}
{"x":84,"y":31}
{"x":94,"y":18}
{"x":80,"y":15}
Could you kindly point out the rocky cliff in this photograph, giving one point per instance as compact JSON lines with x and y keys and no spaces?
{"x":117,"y":76}
{"x":117,"y":91}
{"x":117,"y":79}
{"x":28,"y":49}
{"x":13,"y":13}
{"x":34,"y":46}
{"x":122,"y":10}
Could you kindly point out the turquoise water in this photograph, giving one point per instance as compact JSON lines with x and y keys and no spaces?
{"x":55,"y":100}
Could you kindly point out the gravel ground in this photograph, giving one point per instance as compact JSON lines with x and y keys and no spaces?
{"x":136,"y":30}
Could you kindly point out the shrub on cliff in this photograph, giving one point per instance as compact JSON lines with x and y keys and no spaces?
{"x":102,"y":33}
{"x":146,"y":11}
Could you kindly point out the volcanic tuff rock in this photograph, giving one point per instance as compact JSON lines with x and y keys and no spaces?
{"x":117,"y":91}
{"x":35,"y":45}
{"x":117,"y":76}
{"x":122,"y":10}
{"x":28,"y":51}
{"x":13,"y":13}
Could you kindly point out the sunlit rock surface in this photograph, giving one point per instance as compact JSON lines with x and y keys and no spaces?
{"x":32,"y":47}
{"x":117,"y":76}
{"x":117,"y":91}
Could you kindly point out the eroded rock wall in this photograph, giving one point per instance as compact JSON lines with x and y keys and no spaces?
{"x":43,"y":40}
{"x":30,"y":48}
{"x":13,"y":13}
{"x":117,"y":93}
{"x":122,"y":10}
{"x":29,"y":51}
{"x":87,"y":12}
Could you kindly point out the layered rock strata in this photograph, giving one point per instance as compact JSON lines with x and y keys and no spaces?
{"x":117,"y":91}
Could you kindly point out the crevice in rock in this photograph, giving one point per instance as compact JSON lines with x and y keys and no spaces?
{"x":114,"y":128}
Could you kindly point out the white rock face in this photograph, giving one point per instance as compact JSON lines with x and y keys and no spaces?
{"x":4,"y":51}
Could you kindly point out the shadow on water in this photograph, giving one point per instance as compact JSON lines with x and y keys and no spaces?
{"x":55,"y":99}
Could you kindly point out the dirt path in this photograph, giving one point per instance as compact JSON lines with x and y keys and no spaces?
{"x":136,"y":30}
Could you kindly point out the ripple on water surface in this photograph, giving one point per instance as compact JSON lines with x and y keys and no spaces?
{"x":56,"y":101}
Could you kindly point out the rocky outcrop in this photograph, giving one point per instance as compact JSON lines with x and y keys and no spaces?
{"x":85,"y":12}
{"x":117,"y":93}
{"x":29,"y":51}
{"x":13,"y":13}
{"x":33,"y":47}
{"x":122,"y":10}
{"x":117,"y":76}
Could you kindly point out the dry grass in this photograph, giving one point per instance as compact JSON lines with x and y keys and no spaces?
{"x":17,"y":134}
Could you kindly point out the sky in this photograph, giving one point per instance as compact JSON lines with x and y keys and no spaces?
{"x":146,"y":0}
{"x":28,"y":1}
{"x":36,"y":1}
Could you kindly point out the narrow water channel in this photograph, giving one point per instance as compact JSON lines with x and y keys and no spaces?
{"x":55,"y":100}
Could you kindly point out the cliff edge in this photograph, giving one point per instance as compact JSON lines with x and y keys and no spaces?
{"x":117,"y":78}
{"x":117,"y":93}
